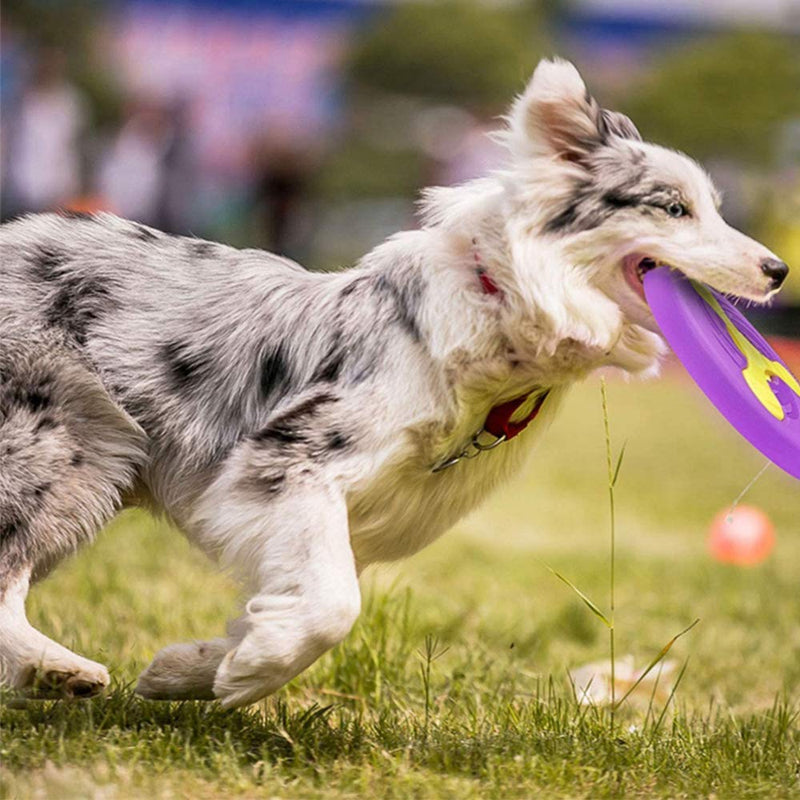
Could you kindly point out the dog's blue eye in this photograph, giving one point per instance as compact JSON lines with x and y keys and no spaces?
{"x":677,"y":210}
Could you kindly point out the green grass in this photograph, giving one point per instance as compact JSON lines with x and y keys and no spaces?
{"x":488,"y":712}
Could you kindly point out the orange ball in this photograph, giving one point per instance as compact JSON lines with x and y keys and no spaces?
{"x":745,"y":536}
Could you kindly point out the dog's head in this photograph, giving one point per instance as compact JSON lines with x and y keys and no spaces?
{"x":615,"y":206}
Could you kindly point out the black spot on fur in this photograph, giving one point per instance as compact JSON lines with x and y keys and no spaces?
{"x":45,"y":424}
{"x":271,"y":484}
{"x":41,"y":490}
{"x":185,"y":367}
{"x":33,"y":396}
{"x":274,"y":377}
{"x":293,"y":425}
{"x":279,"y":434}
{"x":336,"y":440}
{"x":330,"y":367}
{"x":77,"y":459}
{"x":143,"y":233}
{"x":11,"y":525}
{"x":37,"y":399}
{"x":77,"y":304}
{"x":143,"y":409}
{"x":563,"y":221}
{"x":616,"y":199}
{"x":69,"y":213}
{"x":202,"y":249}
{"x":406,"y":299}
{"x":308,"y":408}
{"x":353,"y":286}
{"x":582,"y":213}
{"x":46,"y":262}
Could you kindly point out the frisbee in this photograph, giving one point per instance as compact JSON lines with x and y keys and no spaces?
{"x":731,"y":363}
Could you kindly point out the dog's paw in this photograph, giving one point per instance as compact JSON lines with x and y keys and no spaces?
{"x":239,"y":682}
{"x":62,"y":681}
{"x":183,"y":671}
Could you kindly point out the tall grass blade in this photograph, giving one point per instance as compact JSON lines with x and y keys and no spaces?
{"x":669,"y":699}
{"x":661,"y":653}
{"x":612,"y":479}
{"x":589,"y":604}
{"x":619,"y":465}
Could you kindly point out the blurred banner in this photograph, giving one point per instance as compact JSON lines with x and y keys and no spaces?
{"x":245,"y":67}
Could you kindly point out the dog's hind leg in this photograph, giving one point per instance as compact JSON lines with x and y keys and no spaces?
{"x":68,"y":453}
{"x":289,"y":540}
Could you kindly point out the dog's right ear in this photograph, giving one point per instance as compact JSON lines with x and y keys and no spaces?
{"x":556,"y":116}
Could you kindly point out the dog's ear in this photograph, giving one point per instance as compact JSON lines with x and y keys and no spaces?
{"x":556,"y":116}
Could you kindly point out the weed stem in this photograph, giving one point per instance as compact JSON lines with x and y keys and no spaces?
{"x":612,"y":477}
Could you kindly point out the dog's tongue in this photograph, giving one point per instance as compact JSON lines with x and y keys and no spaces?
{"x":731,"y":362}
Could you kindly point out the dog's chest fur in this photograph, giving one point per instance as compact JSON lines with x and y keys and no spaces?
{"x":403,"y":505}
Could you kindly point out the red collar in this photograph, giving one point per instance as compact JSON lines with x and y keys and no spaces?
{"x":487,"y":283}
{"x":498,"y":422}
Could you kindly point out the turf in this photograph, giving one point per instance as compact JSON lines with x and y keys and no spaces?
{"x":453,"y":683}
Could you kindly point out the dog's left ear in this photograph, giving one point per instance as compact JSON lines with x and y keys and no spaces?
{"x":556,"y":116}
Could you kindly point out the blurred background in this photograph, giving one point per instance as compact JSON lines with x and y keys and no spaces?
{"x":308,"y":126}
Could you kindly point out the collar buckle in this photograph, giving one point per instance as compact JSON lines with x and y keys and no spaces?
{"x":499,"y":426}
{"x":473,"y":449}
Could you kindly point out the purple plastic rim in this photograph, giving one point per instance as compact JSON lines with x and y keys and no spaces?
{"x":703,"y":345}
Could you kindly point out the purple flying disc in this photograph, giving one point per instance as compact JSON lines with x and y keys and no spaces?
{"x":731,"y":362}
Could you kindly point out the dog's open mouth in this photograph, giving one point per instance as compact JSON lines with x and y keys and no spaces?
{"x":635,"y":267}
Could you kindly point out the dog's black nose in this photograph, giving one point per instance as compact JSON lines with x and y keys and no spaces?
{"x":775,"y":270}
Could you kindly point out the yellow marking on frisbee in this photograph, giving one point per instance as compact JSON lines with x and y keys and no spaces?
{"x":759,"y":368}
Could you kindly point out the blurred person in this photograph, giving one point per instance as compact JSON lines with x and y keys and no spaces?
{"x":13,"y":56}
{"x":282,"y":175}
{"x":179,"y":166}
{"x":44,"y":159}
{"x":145,"y":173}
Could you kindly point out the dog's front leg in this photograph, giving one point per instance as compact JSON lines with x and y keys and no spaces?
{"x":307,"y":599}
{"x":293,"y":549}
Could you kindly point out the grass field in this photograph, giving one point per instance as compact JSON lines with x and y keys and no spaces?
{"x":454,"y":682}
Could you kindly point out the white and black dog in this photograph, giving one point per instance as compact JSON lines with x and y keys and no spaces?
{"x":299,"y":426}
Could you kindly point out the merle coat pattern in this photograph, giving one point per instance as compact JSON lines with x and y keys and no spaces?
{"x":289,"y":421}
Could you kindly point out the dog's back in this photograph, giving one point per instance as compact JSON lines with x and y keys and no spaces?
{"x":196,"y":341}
